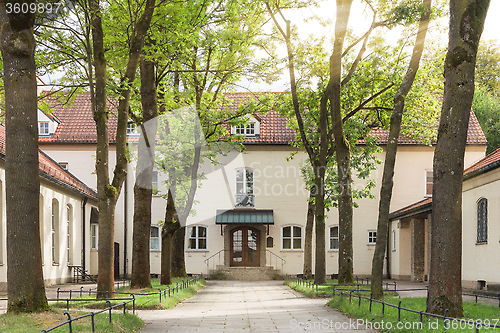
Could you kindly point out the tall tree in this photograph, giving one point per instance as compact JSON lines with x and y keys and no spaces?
{"x":445,"y":278}
{"x":107,"y":191}
{"x":24,"y":257}
{"x":311,"y":110}
{"x":143,"y":188}
{"x":391,"y":150}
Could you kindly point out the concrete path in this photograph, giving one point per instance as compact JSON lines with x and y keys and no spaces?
{"x":238,"y":306}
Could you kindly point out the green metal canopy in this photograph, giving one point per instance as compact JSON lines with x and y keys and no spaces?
{"x":257,"y":216}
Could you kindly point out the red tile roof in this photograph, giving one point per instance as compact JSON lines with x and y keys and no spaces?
{"x":414,"y":209}
{"x":51,"y":170}
{"x":487,"y":163}
{"x":77,"y":124}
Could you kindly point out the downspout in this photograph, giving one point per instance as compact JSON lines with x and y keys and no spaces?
{"x":84,"y":202}
{"x":125,"y":229}
{"x":388,"y":267}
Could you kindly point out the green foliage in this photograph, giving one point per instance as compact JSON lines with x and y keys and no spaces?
{"x":486,"y":106}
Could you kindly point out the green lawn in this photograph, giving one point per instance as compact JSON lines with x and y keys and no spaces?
{"x":36,"y":322}
{"x":410,"y":322}
{"x":142,"y":302}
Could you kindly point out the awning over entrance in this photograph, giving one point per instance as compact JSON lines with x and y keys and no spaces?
{"x":234,"y":216}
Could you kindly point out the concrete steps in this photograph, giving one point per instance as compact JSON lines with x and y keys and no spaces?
{"x":245,"y":273}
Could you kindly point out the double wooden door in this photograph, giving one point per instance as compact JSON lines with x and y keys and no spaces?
{"x":245,"y":247}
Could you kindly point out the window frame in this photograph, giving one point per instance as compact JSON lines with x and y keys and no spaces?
{"x":94,"y":236}
{"x":482,"y":225}
{"x":427,"y":183}
{"x":244,"y":182}
{"x":46,"y":128}
{"x":55,"y":231}
{"x":132,"y":129}
{"x":330,"y":238}
{"x":292,"y":237}
{"x":394,"y":243}
{"x":372,"y":240}
{"x":197,"y":239}
{"x":158,"y":238}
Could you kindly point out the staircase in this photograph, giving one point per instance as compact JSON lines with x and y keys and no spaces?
{"x":80,"y":275}
{"x":246,"y":273}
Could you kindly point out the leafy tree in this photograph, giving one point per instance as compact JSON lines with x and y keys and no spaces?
{"x":107,"y":191}
{"x":486,"y":106}
{"x":391,"y":150}
{"x":445,"y":278}
{"x":328,"y":112}
{"x":24,"y":257}
{"x":486,"y":102}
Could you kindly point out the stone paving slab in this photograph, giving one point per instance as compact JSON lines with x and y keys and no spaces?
{"x":239,"y":306}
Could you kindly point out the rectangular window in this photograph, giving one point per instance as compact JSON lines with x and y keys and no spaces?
{"x":428,"y":183}
{"x":394,"y":240}
{"x":132,"y":129}
{"x":247,"y":130}
{"x":244,"y":188}
{"x":198,"y":238}
{"x":43,"y":128}
{"x":334,"y":238}
{"x":372,"y":237}
{"x":292,"y":238}
{"x":154,"y":181}
{"x":94,"y":236}
{"x":154,"y":240}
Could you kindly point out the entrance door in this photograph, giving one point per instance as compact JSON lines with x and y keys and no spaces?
{"x":245,"y":247}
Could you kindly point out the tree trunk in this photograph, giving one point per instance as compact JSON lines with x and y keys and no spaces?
{"x":311,"y":210}
{"x":108,"y":193}
{"x":143,"y":192}
{"x":445,"y":283}
{"x":169,"y":227}
{"x":178,"y":260}
{"x":24,"y":257}
{"x":342,"y":147}
{"x":390,"y":155}
{"x":320,"y":263}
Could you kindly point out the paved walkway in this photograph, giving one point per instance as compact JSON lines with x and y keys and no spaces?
{"x":238,"y":306}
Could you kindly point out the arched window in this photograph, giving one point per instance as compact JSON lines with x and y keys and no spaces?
{"x":482,"y":220}
{"x":55,"y":231}
{"x":69,"y":229}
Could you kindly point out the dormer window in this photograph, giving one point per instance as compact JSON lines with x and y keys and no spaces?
{"x":250,"y":129}
{"x":132,"y":129}
{"x":43,"y":128}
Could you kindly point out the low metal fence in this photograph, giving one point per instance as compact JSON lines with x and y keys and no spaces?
{"x":170,"y":290}
{"x":449,"y":322}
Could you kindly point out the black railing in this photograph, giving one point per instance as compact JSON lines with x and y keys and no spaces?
{"x":171,"y":291}
{"x":449,"y":322}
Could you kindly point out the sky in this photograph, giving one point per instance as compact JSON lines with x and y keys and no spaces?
{"x":359,"y":21}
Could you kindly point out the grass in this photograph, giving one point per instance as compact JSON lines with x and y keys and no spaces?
{"x":326,"y":291}
{"x":142,"y":302}
{"x":410,"y":322}
{"x":36,"y":322}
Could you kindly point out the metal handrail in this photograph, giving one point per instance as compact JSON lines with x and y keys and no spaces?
{"x":283,"y":261}
{"x":268,"y":263}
